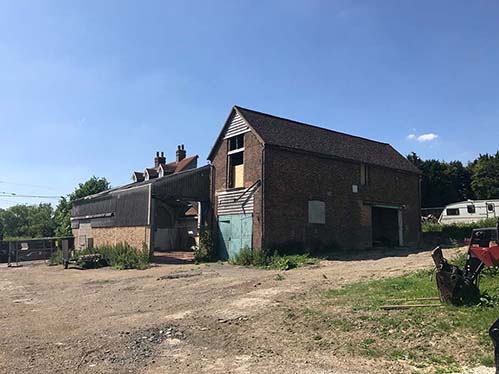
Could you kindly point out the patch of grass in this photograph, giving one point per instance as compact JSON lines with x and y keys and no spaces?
{"x":261,"y":258}
{"x":56,"y":258}
{"x":120,"y":256}
{"x":205,"y":251}
{"x":425,"y":337}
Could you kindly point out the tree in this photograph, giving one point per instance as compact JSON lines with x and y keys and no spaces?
{"x":1,"y":224}
{"x":62,"y":214}
{"x":28,"y":221}
{"x":62,"y":218}
{"x":485,"y":177}
{"x":441,"y":182}
{"x":460,"y":177}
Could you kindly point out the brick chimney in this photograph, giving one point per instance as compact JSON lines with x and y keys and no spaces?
{"x":180,"y":153}
{"x":159,"y":159}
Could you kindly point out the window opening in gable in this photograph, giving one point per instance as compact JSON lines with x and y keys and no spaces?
{"x":236,"y":170}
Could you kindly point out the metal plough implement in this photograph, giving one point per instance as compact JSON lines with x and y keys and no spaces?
{"x":461,"y":286}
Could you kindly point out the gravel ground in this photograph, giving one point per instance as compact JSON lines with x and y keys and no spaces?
{"x":213,"y":318}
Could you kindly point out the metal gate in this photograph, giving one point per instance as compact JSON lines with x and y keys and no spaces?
{"x":16,"y":251}
{"x":234,"y":233}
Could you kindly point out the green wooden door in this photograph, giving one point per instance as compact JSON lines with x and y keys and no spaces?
{"x":234,"y":232}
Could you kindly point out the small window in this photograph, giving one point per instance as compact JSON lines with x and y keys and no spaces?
{"x":236,"y":142}
{"x":471,"y":209}
{"x":453,"y":211}
{"x":364,"y":174}
{"x":316,"y":211}
{"x":490,"y":207}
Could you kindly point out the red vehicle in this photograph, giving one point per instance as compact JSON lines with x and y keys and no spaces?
{"x":461,"y":286}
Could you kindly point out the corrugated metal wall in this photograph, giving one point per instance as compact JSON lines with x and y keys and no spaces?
{"x":121,"y":208}
{"x":188,"y":185}
{"x":129,"y":206}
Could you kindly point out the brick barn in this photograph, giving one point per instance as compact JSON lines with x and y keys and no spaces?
{"x":282,"y":184}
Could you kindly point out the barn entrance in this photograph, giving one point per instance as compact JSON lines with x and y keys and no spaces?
{"x":387,"y":226}
{"x":234,"y":233}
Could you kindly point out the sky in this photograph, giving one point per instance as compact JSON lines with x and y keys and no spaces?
{"x":97,"y":87}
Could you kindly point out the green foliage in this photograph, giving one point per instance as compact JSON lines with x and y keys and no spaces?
{"x":1,"y":224}
{"x":62,"y":218}
{"x":38,"y":221}
{"x":455,"y":231}
{"x":62,"y":215}
{"x":205,"y":251}
{"x":56,"y":258}
{"x":27,"y":221}
{"x":261,"y":258}
{"x":447,"y":182}
{"x":419,"y":335}
{"x":120,"y":256}
{"x":485,"y":180}
{"x":442,"y":182}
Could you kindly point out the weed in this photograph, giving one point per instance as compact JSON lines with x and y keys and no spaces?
{"x":279,"y":277}
{"x":120,"y":256}
{"x":205,"y":251}
{"x":261,"y":258}
{"x":56,"y":258}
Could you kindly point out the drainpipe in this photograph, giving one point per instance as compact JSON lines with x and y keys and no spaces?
{"x":262,"y":218}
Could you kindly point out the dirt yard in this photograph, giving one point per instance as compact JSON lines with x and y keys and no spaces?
{"x":213,"y":318}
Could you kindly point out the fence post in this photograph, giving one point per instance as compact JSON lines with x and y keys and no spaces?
{"x":11,"y":249}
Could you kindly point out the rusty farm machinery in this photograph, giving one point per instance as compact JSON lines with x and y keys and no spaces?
{"x":462,"y":286}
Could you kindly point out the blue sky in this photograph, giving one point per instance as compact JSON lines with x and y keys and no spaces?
{"x":96,"y":87}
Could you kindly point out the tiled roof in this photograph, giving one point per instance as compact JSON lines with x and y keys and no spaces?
{"x":168,"y":168}
{"x":295,"y":135}
{"x":183,"y":164}
{"x":153,"y":173}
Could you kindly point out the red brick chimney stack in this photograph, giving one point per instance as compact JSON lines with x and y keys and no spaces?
{"x":181,"y":153}
{"x":159,"y":159}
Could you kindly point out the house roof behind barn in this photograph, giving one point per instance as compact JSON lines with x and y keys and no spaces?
{"x":295,"y":135}
{"x":183,"y":164}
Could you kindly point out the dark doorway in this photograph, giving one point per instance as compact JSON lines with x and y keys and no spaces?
{"x":385,"y":224}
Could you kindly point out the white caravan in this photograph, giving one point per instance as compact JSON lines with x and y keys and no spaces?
{"x":469,"y":211}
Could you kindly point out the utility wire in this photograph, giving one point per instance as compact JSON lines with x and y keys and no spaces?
{"x":13,"y":194}
{"x":26,"y":185}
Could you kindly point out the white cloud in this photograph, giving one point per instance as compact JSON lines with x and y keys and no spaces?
{"x":423,"y":138}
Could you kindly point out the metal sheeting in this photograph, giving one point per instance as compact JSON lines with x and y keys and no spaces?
{"x":236,"y":127}
{"x":187,"y":185}
{"x":130,"y":205}
{"x":120,"y":208}
{"x":236,"y":202}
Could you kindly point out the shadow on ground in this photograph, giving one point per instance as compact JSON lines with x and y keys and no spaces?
{"x":372,"y":253}
{"x":173,"y":258}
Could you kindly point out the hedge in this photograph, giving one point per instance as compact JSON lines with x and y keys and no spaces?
{"x":456,"y":232}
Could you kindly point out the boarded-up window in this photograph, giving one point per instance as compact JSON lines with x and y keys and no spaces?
{"x":236,"y":170}
{"x":316,"y":211}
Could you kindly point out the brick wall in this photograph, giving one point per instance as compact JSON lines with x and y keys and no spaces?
{"x":135,"y":236}
{"x":252,"y":173}
{"x":292,"y":179}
